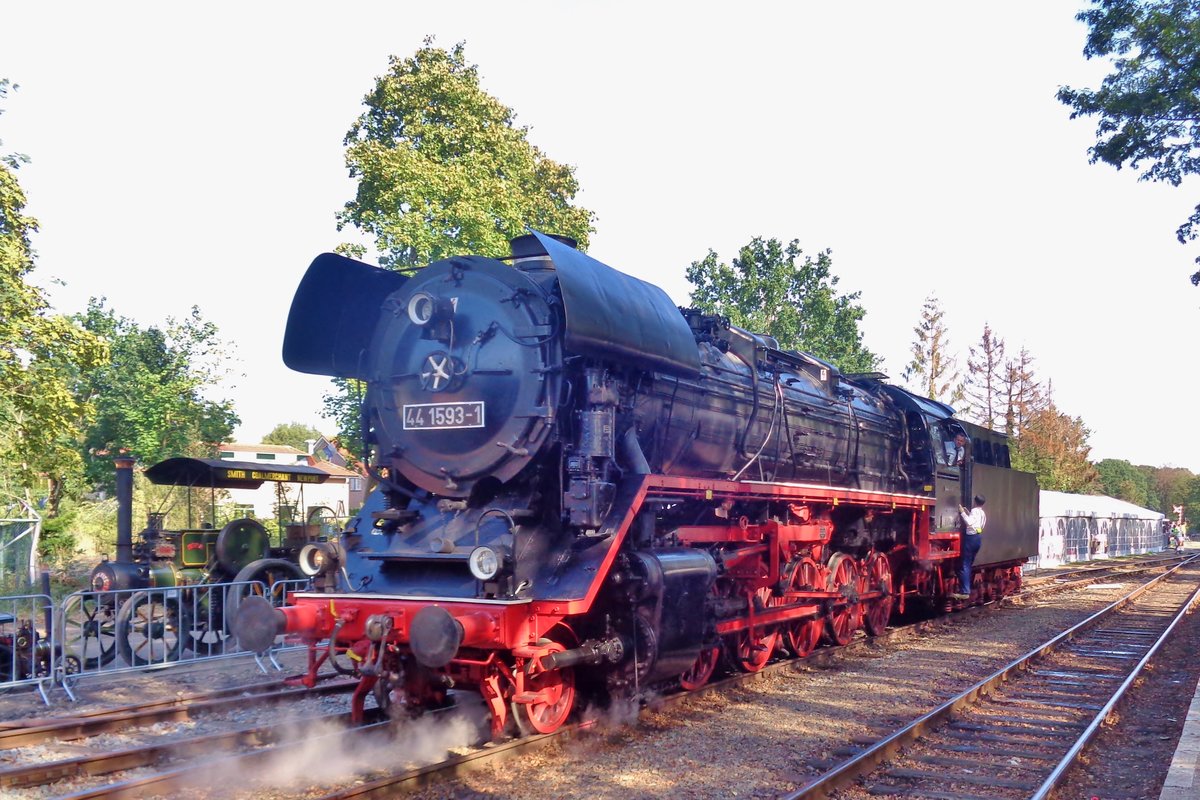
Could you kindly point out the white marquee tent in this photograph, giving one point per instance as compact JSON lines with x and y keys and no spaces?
{"x":1081,"y":527}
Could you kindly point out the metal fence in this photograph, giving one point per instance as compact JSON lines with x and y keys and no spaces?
{"x":89,"y":634}
{"x":20,"y":530}
{"x":29,"y":650}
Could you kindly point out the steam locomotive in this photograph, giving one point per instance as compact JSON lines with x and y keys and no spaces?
{"x":583,"y":488}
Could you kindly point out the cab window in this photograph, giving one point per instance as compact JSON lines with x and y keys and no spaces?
{"x":939,"y":443}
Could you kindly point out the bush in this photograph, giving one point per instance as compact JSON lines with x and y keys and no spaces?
{"x":58,"y":544}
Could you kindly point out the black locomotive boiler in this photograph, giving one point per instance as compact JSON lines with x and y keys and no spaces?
{"x":580,"y":485}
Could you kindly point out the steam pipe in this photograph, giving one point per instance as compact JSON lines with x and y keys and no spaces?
{"x":124,"y":510}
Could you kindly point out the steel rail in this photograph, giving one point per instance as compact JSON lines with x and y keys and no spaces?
{"x":422,"y":776}
{"x":498,"y":752}
{"x":1119,"y":565}
{"x":93,"y":764}
{"x":159,"y":711}
{"x":156,"y":784}
{"x":1093,"y":728}
{"x":857,"y":766}
{"x":30,"y":722}
{"x":456,"y":765}
{"x":1059,"y":585}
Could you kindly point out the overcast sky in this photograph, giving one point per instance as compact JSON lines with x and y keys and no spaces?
{"x":193,"y":155}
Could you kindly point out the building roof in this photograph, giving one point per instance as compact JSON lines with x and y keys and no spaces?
{"x":262,"y":448}
{"x":335,"y":470}
{"x":1062,"y":504}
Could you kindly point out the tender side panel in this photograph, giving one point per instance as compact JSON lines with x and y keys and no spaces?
{"x":1012,"y":513}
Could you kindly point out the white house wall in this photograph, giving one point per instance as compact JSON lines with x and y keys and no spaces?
{"x":333,"y":494}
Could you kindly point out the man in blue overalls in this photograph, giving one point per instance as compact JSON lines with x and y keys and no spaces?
{"x":972,"y":537}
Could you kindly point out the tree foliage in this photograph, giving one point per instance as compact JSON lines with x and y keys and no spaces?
{"x":150,"y":399}
{"x":443,"y":168}
{"x":769,"y":289}
{"x":1124,"y":481}
{"x":292,"y":434}
{"x":1054,"y":446}
{"x":1022,"y":393}
{"x":1149,"y":105}
{"x":933,"y":370}
{"x":1189,"y":498}
{"x":1174,"y":485}
{"x":343,"y":405}
{"x":40,"y":416}
{"x":985,"y":390}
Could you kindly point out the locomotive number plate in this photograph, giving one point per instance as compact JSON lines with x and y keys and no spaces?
{"x":443,"y":416}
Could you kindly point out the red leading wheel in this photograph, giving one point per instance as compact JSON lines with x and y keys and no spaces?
{"x":554,"y":701}
{"x":702,"y":670}
{"x":878,"y":575}
{"x":755,"y":647}
{"x":843,"y":619}
{"x":803,"y":637}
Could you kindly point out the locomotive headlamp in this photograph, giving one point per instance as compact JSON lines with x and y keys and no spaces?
{"x":424,"y":308}
{"x":485,"y":562}
{"x":317,"y":558}
{"x":420,"y":308}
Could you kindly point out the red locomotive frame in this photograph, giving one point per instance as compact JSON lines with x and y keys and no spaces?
{"x":796,"y":589}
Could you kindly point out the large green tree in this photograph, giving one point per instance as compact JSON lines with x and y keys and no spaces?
{"x":933,"y":370}
{"x":1124,"y":481}
{"x":292,"y":434}
{"x":443,"y":168}
{"x":1173,"y":485}
{"x":40,"y":415}
{"x":1189,"y":498}
{"x":1149,"y":105}
{"x":151,"y":400}
{"x":1054,"y":446}
{"x":778,"y":290}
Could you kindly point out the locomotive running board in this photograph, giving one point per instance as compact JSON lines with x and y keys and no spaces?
{"x":580,"y":578}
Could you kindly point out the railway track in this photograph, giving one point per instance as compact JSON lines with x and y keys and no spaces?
{"x":130,"y":718}
{"x":35,"y":730}
{"x":1015,"y":733}
{"x":265,"y":742}
{"x":1094,"y":570}
{"x":407,"y":780}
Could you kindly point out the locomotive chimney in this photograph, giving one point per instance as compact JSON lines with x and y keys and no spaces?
{"x":124,"y":509}
{"x":529,"y":255}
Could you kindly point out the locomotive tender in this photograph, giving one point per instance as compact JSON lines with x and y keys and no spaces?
{"x":581,"y":486}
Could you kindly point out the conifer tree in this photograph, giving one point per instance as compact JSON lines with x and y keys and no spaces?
{"x":933,"y":370}
{"x":1022,"y":394}
{"x":985,"y":379}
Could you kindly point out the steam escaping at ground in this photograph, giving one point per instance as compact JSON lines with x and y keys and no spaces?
{"x":619,"y":712}
{"x":332,"y":754}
